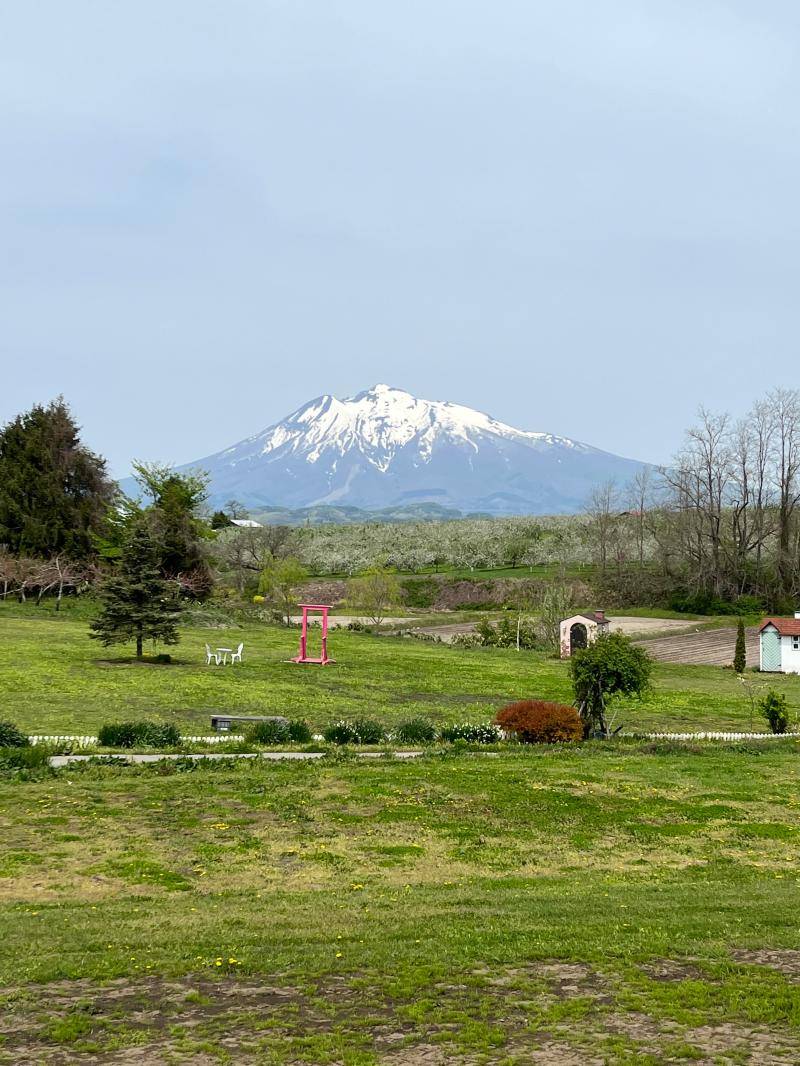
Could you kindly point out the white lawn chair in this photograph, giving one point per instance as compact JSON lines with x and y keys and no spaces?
{"x":236,"y":656}
{"x":211,"y":655}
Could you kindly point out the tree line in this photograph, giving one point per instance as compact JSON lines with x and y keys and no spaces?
{"x":717,"y":528}
{"x":718,"y":525}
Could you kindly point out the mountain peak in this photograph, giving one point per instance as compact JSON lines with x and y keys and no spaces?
{"x":385,"y":446}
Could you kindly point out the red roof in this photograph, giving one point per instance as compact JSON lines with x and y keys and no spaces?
{"x":787,"y":627}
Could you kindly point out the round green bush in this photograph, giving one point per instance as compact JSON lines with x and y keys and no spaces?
{"x":117,"y":735}
{"x":299,"y":732}
{"x":416,"y":731}
{"x":369,"y":731}
{"x":143,"y":734}
{"x":358,"y":731}
{"x":275,"y":731}
{"x":279,"y":731}
{"x":161,"y":735}
{"x":340,"y":733}
{"x":11,"y":737}
{"x":773,"y":708}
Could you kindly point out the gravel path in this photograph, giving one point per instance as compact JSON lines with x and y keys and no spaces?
{"x":59,"y":761}
{"x":271,"y":756}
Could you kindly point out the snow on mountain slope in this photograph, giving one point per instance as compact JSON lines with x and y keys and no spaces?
{"x":385,"y":447}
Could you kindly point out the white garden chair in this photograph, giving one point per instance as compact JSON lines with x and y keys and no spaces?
{"x":236,"y":656}
{"x":211,"y":655}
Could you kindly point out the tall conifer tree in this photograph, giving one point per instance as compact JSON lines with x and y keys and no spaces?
{"x":740,"y":651}
{"x":54,"y":492}
{"x":138,"y":602}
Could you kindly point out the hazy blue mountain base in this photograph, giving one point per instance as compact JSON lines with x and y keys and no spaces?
{"x":345,"y":516}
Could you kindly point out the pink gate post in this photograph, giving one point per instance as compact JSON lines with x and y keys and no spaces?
{"x":303,"y":656}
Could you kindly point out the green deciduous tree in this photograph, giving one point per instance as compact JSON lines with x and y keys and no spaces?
{"x":612,"y":666}
{"x":373,"y":593}
{"x":279,"y":582}
{"x":138,"y":603}
{"x":54,"y":492}
{"x":174,"y":518}
{"x":554,"y":607}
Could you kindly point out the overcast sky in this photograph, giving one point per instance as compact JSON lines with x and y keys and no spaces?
{"x":579,"y":216}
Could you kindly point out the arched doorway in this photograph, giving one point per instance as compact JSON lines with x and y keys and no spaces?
{"x":578,"y":637}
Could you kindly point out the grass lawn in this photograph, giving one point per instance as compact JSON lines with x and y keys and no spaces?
{"x":55,"y":680}
{"x":604,"y":904}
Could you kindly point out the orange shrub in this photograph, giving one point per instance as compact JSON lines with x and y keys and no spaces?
{"x":540,"y":722}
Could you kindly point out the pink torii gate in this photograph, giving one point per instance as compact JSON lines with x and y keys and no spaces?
{"x":302,"y":655}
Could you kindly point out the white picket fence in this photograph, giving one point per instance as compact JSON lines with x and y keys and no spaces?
{"x":711,"y":735}
{"x":223,"y":738}
{"x":85,"y":742}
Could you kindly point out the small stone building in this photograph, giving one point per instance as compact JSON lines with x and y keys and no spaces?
{"x":779,"y":639}
{"x":581,"y":630}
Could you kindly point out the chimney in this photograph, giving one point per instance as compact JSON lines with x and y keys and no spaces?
{"x":601,"y":615}
{"x":797,"y":614}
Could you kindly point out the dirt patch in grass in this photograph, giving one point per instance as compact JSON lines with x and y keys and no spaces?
{"x":423,"y":1055}
{"x":553,"y":1014}
{"x":673,"y":970}
{"x":737,"y":1043}
{"x":785,"y":960}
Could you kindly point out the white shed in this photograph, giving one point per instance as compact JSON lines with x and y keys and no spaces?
{"x":779,"y":640}
{"x":581,"y":630}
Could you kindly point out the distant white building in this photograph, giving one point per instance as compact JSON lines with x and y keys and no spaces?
{"x":247,"y":523}
{"x":780,"y":645}
{"x":581,"y":630}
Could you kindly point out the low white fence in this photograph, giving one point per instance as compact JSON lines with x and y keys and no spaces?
{"x":223,"y":738}
{"x":712,"y":736}
{"x":85,"y":742}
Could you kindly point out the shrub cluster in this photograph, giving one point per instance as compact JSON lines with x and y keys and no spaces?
{"x":26,"y":761}
{"x":706,"y":603}
{"x":279,"y":731}
{"x":412,"y":731}
{"x":141,"y":734}
{"x":357,"y":731}
{"x":11,"y":737}
{"x":540,"y":722}
{"x":504,"y":633}
{"x":467,"y":640}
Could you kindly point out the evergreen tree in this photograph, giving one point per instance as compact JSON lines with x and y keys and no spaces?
{"x":740,"y":651}
{"x":219,"y":520}
{"x":54,"y":492}
{"x":138,"y":602}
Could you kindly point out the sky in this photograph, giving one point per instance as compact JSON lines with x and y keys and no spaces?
{"x":581,"y":217}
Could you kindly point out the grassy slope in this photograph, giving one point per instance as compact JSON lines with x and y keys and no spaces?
{"x":54,"y":679}
{"x":596,"y":899}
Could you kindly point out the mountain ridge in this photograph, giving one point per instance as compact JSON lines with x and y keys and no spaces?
{"x":386,"y":448}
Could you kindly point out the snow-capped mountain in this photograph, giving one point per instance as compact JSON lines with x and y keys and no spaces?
{"x":385,"y":447}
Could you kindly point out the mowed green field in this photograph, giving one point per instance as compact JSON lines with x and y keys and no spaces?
{"x":599,"y":904}
{"x":55,"y":680}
